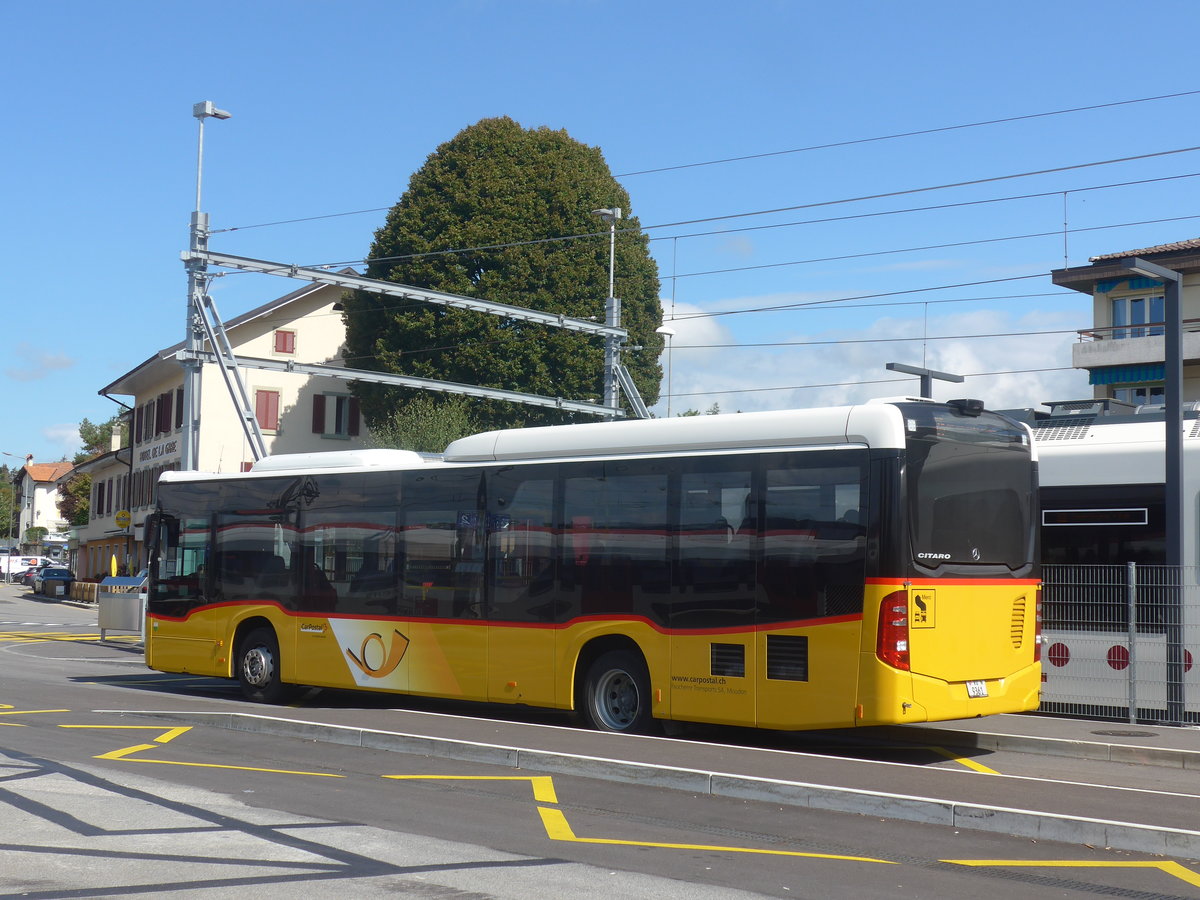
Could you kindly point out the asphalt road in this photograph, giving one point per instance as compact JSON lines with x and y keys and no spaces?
{"x":96,"y":800}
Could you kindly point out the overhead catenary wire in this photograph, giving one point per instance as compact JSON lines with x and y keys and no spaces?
{"x":775,"y":153}
{"x":399,"y":307}
{"x":796,"y":207}
{"x":888,"y":340}
{"x":904,"y":134}
{"x":802,"y":387}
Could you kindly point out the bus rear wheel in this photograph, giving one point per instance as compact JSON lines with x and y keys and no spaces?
{"x":258,"y":667}
{"x":616,"y":693}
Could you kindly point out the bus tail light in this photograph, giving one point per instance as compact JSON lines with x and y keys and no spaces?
{"x":892,"y":646}
{"x":1037,"y":626}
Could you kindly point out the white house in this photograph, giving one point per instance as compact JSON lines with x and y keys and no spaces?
{"x":296,"y":413}
{"x":36,"y":488}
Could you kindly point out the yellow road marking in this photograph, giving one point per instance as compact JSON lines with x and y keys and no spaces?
{"x":48,"y":637}
{"x":7,"y":709}
{"x":163,"y":738}
{"x":125,"y":754}
{"x":557,"y":829}
{"x":962,"y":760}
{"x":1170,"y":867}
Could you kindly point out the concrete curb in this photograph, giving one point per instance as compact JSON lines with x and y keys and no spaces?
{"x":1023,"y":823}
{"x":1134,"y":754}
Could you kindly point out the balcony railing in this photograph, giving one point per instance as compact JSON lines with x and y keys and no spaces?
{"x":1123,"y":332}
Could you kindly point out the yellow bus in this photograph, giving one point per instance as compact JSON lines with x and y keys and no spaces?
{"x":819,"y":568}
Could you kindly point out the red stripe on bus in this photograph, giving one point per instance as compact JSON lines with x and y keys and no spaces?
{"x":957,"y":582}
{"x":430,"y":620}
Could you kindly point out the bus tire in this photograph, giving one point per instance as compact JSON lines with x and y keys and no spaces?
{"x":616,"y":693}
{"x":258,"y":667}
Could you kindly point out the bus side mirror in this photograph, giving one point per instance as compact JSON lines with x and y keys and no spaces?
{"x":158,"y":527}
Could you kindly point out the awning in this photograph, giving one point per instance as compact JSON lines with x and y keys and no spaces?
{"x":1131,"y":374}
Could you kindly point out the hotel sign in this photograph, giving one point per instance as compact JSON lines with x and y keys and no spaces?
{"x":166,"y":448}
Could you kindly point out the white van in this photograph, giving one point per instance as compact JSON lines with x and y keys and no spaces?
{"x":15,"y":564}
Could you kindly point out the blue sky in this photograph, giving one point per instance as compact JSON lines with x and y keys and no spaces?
{"x":335,"y":105}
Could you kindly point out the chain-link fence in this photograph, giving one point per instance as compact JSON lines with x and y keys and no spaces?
{"x":1119,"y":642}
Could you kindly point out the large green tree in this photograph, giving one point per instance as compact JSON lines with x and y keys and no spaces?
{"x":491,"y":215}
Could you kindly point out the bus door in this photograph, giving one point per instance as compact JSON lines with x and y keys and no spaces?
{"x":181,"y":638}
{"x":521,"y":605}
{"x":714,"y":654}
{"x":442,"y":592}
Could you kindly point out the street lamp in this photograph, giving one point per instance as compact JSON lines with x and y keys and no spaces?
{"x":12,"y":494}
{"x":669,"y":333}
{"x":1174,"y":471}
{"x":193,"y":324}
{"x":612,"y":310}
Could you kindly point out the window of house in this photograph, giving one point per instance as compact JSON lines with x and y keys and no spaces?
{"x":285,"y":342}
{"x":1141,"y":394}
{"x":1134,"y":317}
{"x":336,"y":415}
{"x":266,"y":409}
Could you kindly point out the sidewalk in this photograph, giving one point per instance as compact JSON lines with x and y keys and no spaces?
{"x":1150,"y":822}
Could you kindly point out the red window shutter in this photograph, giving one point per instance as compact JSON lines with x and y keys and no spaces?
{"x":178,"y":407}
{"x":165,"y":411}
{"x":246,"y":466}
{"x":318,"y":420}
{"x":266,"y":409}
{"x":285,"y":342}
{"x":354,"y":417}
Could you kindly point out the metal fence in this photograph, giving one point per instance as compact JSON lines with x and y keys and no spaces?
{"x":1119,"y":642}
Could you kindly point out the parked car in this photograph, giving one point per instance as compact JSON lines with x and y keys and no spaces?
{"x":52,"y":575}
{"x":25,"y":576}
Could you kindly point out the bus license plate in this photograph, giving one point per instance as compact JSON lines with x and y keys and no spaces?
{"x":977,"y":689}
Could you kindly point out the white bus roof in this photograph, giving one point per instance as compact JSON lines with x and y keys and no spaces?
{"x":876,"y":425}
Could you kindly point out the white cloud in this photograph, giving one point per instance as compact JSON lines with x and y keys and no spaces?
{"x":64,"y":437}
{"x":36,"y":363}
{"x":739,"y":246}
{"x":835,"y":367}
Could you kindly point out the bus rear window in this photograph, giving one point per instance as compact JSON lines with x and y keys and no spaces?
{"x":970,"y":493}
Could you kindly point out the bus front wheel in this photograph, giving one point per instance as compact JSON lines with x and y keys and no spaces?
{"x":616,"y":693}
{"x":258,"y":667}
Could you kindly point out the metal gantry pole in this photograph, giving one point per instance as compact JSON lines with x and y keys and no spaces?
{"x":189,"y":443}
{"x":612,"y":312}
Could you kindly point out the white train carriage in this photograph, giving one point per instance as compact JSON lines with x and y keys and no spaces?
{"x":1110,"y":610}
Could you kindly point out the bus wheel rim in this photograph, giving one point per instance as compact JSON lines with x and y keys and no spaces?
{"x":616,"y":700}
{"x":258,"y":666}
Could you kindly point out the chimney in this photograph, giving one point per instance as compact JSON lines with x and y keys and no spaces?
{"x":114,"y":442}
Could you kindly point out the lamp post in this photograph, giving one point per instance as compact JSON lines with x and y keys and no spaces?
{"x":1173,"y":480}
{"x":193,"y":325}
{"x":12,"y":494}
{"x":669,"y":333}
{"x":612,"y":310}
{"x":926,"y":375}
